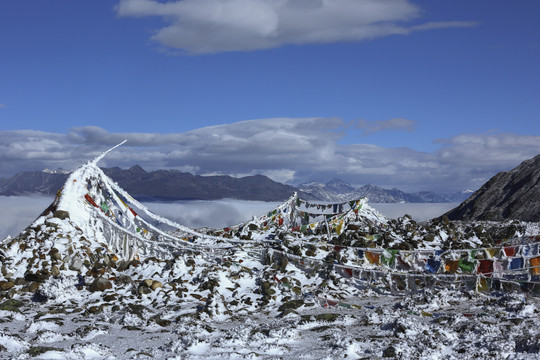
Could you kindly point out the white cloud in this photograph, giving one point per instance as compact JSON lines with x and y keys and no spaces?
{"x":20,"y":211}
{"x":211,"y":26}
{"x":2,"y":106}
{"x":217,"y":214}
{"x":287,"y":150}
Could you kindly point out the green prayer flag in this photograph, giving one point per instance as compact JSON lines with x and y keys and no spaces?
{"x":388,"y":257}
{"x":466,"y":266}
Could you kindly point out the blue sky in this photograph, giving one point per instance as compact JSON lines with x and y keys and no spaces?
{"x":415,"y":94}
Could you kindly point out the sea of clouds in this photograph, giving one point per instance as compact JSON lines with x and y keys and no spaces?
{"x":17,"y":212}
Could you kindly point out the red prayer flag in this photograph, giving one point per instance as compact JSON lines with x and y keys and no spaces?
{"x":510,"y":251}
{"x":485,"y":267}
{"x":90,"y":200}
{"x":348,"y":271}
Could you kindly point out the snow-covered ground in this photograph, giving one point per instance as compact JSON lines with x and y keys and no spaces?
{"x":427,"y":325}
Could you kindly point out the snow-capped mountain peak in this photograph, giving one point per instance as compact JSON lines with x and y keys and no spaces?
{"x":57,"y":171}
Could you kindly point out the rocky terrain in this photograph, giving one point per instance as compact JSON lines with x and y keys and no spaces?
{"x":98,"y":276}
{"x":508,"y":195}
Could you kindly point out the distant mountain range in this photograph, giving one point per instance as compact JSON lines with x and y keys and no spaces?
{"x":514,"y":194}
{"x":338,"y":190}
{"x":160,"y":185}
{"x":170,"y":185}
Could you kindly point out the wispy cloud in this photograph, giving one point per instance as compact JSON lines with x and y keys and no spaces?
{"x":443,"y":25}
{"x":2,"y":106}
{"x":291,"y":150}
{"x":211,"y":26}
{"x":369,"y":127}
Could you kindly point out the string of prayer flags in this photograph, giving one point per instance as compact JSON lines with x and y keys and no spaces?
{"x":485,"y":267}
{"x":516,"y":263}
{"x":105,"y":207}
{"x":433,"y":265}
{"x":535,"y":265}
{"x":348,"y":272}
{"x":466,"y":266}
{"x":122,"y":201}
{"x":339,"y":227}
{"x":399,"y":282}
{"x":90,"y":200}
{"x":418,"y":262}
{"x":492,"y":252}
{"x":483,"y":284}
{"x":529,"y":250}
{"x":403,"y":262}
{"x":388,"y":257}
{"x":451,"y":266}
{"x":510,"y":251}
{"x":499,"y":266}
{"x":372,"y":257}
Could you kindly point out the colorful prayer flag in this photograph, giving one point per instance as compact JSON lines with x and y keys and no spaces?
{"x":373,"y":258}
{"x":535,"y":265}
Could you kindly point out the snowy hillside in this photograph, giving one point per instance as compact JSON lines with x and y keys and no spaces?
{"x":99,"y":276}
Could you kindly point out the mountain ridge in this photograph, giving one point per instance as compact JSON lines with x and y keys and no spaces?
{"x":160,"y":185}
{"x":513,"y":194}
{"x":173,"y":185}
{"x":339,"y":190}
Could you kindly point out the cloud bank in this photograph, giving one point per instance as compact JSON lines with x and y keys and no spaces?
{"x":291,"y":150}
{"x":20,"y":211}
{"x":211,"y":26}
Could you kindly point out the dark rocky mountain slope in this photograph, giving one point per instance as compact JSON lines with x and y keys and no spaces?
{"x":508,"y":195}
{"x":29,"y":182}
{"x":167,"y":185}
